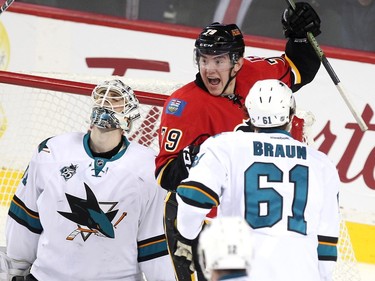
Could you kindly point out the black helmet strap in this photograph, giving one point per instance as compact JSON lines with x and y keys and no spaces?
{"x":234,"y":60}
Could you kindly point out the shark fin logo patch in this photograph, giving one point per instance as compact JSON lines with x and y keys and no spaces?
{"x":91,"y":216}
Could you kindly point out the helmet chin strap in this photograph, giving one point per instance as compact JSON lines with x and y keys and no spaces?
{"x":226,"y":86}
{"x":229,"y":80}
{"x":235,"y":98}
{"x":234,"y":60}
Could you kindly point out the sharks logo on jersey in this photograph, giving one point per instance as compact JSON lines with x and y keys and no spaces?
{"x":91,"y":216}
{"x":196,"y":159}
{"x":43,"y":146}
{"x":68,"y":172}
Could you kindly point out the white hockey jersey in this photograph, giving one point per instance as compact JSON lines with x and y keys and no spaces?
{"x":79,"y":217}
{"x":287,"y":192}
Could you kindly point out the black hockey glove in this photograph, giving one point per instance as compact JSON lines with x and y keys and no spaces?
{"x":178,"y":169}
{"x":183,"y":255}
{"x":296,"y":23}
{"x":187,"y":155}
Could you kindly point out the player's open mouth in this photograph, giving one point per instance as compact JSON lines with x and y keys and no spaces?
{"x":214,"y":81}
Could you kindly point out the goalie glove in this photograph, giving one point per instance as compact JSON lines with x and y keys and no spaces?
{"x":296,"y":23}
{"x":184,"y":253}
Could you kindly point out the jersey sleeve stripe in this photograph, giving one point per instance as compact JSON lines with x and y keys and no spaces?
{"x":297,"y":74}
{"x":327,"y":248}
{"x":327,"y":253}
{"x":328,"y":239}
{"x":160,"y":173}
{"x":197,"y":194}
{"x":152,"y":248}
{"x":24,"y":216}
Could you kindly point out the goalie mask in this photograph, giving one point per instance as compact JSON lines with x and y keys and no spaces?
{"x":270,"y":103}
{"x":225,"y":244}
{"x":114,"y":106}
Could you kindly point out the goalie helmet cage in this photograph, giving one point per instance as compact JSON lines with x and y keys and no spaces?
{"x":34,"y":107}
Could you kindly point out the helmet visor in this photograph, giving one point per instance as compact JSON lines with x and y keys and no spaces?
{"x":219,"y":62}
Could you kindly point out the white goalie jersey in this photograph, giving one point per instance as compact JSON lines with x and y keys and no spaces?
{"x":287,"y":192}
{"x":79,"y":217}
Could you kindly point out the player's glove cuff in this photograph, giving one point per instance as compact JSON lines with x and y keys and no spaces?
{"x":184,"y":252}
{"x":296,"y":23}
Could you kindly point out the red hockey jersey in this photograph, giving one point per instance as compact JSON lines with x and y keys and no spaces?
{"x":191,"y":111}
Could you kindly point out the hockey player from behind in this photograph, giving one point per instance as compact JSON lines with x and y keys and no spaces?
{"x":213,"y":103}
{"x":88,"y":207}
{"x":287,"y":191}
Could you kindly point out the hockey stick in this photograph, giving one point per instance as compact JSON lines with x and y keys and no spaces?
{"x":6,"y":6}
{"x":319,"y":52}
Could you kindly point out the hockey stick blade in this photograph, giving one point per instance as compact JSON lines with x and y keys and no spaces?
{"x":6,"y":6}
{"x":319,"y":52}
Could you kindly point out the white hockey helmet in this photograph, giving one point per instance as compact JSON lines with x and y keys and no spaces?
{"x":226,"y":243}
{"x":269,"y":103}
{"x":114,"y":105}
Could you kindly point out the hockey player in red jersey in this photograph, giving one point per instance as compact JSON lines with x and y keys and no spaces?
{"x":213,"y":102}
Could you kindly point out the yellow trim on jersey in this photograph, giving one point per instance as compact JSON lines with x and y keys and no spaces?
{"x":201,"y":191}
{"x":328,"y":243}
{"x":26,"y":210}
{"x":151,"y":243}
{"x":297,"y":75}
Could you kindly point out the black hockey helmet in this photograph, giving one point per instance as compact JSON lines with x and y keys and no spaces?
{"x":220,"y":38}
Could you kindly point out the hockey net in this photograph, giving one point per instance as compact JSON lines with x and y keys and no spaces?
{"x":34,"y":107}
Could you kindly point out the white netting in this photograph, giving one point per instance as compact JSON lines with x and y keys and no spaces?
{"x":347,"y":266}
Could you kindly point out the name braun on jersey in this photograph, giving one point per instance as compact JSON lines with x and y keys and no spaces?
{"x":279,"y":150}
